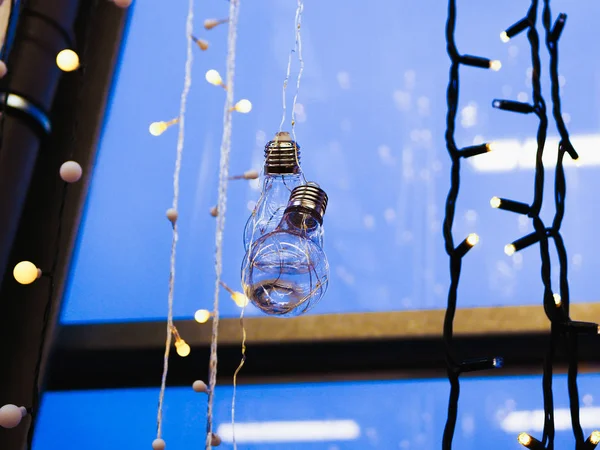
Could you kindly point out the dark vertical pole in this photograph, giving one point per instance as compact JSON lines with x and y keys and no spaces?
{"x":31,"y":191}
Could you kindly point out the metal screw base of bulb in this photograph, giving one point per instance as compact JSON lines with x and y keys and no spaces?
{"x":309,"y":197}
{"x":282,"y":155}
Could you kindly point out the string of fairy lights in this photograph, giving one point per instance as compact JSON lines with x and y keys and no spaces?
{"x":27,"y":272}
{"x":556,"y":305}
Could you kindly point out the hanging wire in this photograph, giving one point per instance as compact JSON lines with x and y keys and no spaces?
{"x":36,"y":394}
{"x":299,"y":10}
{"x":222,"y":207}
{"x":235,"y":375}
{"x":454,"y":366}
{"x":189,"y":31}
{"x":559,"y":200}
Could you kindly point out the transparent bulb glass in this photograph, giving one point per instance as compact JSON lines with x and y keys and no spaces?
{"x":269,"y":209}
{"x":286,"y":272}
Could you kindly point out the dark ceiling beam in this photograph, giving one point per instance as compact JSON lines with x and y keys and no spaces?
{"x":31,"y":191}
{"x":319,"y":347}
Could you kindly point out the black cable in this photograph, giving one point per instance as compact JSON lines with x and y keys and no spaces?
{"x":571,"y":338}
{"x":81,"y":73}
{"x":454,"y":366}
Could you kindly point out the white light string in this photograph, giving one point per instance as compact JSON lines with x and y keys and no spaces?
{"x":222,"y":207}
{"x":189,"y":29}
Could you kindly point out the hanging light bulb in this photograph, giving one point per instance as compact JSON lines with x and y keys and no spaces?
{"x":214,"y":77}
{"x":158,"y":128}
{"x":239,"y":299}
{"x":201,"y":43}
{"x":244,"y":106}
{"x":10,"y":416}
{"x":282,"y":175}
{"x":202,"y":315}
{"x":209,"y":24}
{"x":67,"y":60}
{"x":25,"y":272}
{"x":182,"y":348}
{"x":285,"y":272}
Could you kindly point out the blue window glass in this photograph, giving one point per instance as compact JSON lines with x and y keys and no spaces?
{"x":371,"y":121}
{"x":328,"y":416}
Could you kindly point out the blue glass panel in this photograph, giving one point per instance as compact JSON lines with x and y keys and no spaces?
{"x":371,"y":124}
{"x":327,"y":416}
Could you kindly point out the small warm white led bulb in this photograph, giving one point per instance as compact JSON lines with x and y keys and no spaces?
{"x":213,"y":77}
{"x":595,"y":438}
{"x":495,"y":202}
{"x":199,"y":386}
{"x":472,"y":239}
{"x":495,"y":65}
{"x":215,"y":440}
{"x":240,"y":299}
{"x":211,"y":23}
{"x":182,"y":347}
{"x":122,"y":3}
{"x":25,"y":272}
{"x":509,"y":249}
{"x":524,"y":439}
{"x":70,"y":171}
{"x":202,"y":315}
{"x":158,"y":444}
{"x":250,"y":175}
{"x":157,"y":128}
{"x":504,"y":37}
{"x":10,"y":416}
{"x":201,"y":43}
{"x":244,"y":106}
{"x":67,"y":60}
{"x":557,"y":299}
{"x":172,"y":215}
{"x":214,"y":211}
{"x":3,"y":69}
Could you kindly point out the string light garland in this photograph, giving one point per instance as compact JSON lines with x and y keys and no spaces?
{"x":211,"y":438}
{"x":556,"y":305}
{"x":456,"y":253}
{"x":182,"y":348}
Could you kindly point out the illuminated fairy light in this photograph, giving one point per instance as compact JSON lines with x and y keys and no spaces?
{"x":244,"y":106}
{"x":209,"y":24}
{"x":25,"y":272}
{"x":214,"y":78}
{"x":202,"y":315}
{"x":67,"y":60}
{"x":238,"y":297}
{"x":182,"y":348}
{"x":211,"y":438}
{"x":158,"y":128}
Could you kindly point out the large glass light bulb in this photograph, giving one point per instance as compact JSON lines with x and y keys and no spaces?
{"x":282,"y":175}
{"x":285,"y":272}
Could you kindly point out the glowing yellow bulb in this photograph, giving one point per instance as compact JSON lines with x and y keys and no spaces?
{"x":495,"y":202}
{"x":524,"y":439}
{"x":595,"y":437}
{"x":25,"y":272}
{"x":240,"y":299}
{"x":158,"y":128}
{"x":472,"y":239}
{"x":490,"y":146}
{"x":504,"y":37}
{"x":495,"y":65}
{"x":213,"y":77}
{"x":557,"y":299}
{"x":509,"y":249}
{"x":183,"y":349}
{"x":67,"y":60}
{"x":202,"y":315}
{"x":243,"y":106}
